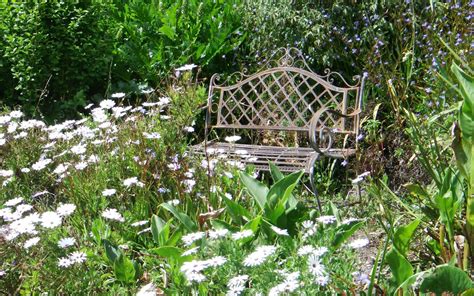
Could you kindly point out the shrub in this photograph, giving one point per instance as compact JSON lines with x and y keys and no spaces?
{"x":54,"y":53}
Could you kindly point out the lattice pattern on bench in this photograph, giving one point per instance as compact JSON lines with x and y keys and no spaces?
{"x":285,"y":95}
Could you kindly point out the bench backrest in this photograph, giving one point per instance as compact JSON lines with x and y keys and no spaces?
{"x":283,"y":95}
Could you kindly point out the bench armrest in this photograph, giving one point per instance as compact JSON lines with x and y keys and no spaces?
{"x":317,"y":134}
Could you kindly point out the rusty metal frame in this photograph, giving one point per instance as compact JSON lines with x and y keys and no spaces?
{"x":286,"y":95}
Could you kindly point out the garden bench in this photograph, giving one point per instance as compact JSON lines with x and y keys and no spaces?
{"x":320,"y":111}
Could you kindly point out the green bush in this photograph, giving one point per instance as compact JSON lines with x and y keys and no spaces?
{"x":54,"y":53}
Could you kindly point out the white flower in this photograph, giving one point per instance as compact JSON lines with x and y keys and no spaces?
{"x":66,"y":242}
{"x":107,"y":104}
{"x":188,"y":129}
{"x":77,"y":257}
{"x":232,"y":139}
{"x":349,"y":220}
{"x":65,"y":210}
{"x":322,"y":280}
{"x":190,"y":251}
{"x":81,"y":165}
{"x":16,"y":114}
{"x":31,"y":242}
{"x":78,"y":149}
{"x":65,"y":262}
{"x":118,"y":95}
{"x":359,"y":243}
{"x":236,"y":284}
{"x":308,"y":224}
{"x":139,"y":223}
{"x":280,"y":231}
{"x":25,"y":170}
{"x":148,"y":290}
{"x":144,"y":230}
{"x":218,"y":233}
{"x":152,"y":135}
{"x":5,"y":119}
{"x":187,"y":67}
{"x":13,"y":202}
{"x":195,"y":277}
{"x":216,"y":261}
{"x":131,"y":181}
{"x":113,"y":214}
{"x":109,"y":192}
{"x":315,"y":266}
{"x":41,"y":164}
{"x":60,"y":169}
{"x":6,"y":173}
{"x":328,"y":219}
{"x":173,"y":202}
{"x":305,"y":250}
{"x":242,"y":234}
{"x":50,"y":220}
{"x":289,"y":285}
{"x":320,"y":251}
{"x":190,"y":238}
{"x":259,"y":255}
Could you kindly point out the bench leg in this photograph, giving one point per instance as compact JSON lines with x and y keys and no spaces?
{"x":312,"y":182}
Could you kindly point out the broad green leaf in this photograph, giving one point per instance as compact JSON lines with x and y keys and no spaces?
{"x":335,"y":212}
{"x":256,"y":189}
{"x":189,"y":224}
{"x":466,"y":116}
{"x":124,"y":269}
{"x":277,"y":175}
{"x":406,"y":287}
{"x":169,"y":32}
{"x":253,"y":224}
{"x":344,"y":231}
{"x":219,"y":224}
{"x":236,"y":211}
{"x":111,"y":251}
{"x":416,"y":189}
{"x":469,"y":292}
{"x":281,"y":190}
{"x":399,"y":265}
{"x":157,"y":225}
{"x":167,"y":251}
{"x":403,"y":235}
{"x":446,"y":279}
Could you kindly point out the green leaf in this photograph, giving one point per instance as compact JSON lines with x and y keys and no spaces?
{"x":167,"y":31}
{"x":446,"y":279}
{"x":466,"y":116}
{"x":124,"y":269}
{"x":235,"y":210}
{"x":403,"y":235}
{"x":157,"y":225}
{"x":189,"y":224}
{"x":111,"y":251}
{"x":256,"y":189}
{"x":281,"y":190}
{"x":416,"y":189}
{"x":344,"y":231}
{"x":277,"y":175}
{"x":253,"y":224}
{"x":399,"y":265}
{"x":219,"y":224}
{"x":167,"y":251}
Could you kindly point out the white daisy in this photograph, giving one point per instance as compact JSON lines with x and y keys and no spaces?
{"x":66,"y":242}
{"x":31,"y":242}
{"x":280,"y":231}
{"x":113,"y":214}
{"x":50,"y":220}
{"x":242,"y":234}
{"x":65,"y":210}
{"x":190,"y":238}
{"x":109,"y":192}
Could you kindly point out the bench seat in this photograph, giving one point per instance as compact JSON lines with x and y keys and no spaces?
{"x":287,"y":159}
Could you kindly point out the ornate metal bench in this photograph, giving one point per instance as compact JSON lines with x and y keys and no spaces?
{"x":320,"y":111}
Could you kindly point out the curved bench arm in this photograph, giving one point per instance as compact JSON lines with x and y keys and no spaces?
{"x":320,"y":133}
